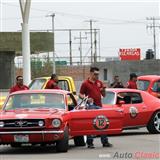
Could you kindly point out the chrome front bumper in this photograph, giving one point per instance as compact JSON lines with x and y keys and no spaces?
{"x":31,"y":132}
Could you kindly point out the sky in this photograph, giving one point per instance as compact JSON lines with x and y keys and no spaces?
{"x":122,"y":24}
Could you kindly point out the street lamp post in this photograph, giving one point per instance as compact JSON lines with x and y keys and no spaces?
{"x":25,"y":10}
{"x":53,"y":31}
{"x":54,"y":65}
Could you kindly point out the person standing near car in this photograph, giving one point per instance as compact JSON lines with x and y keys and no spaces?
{"x":117,"y":83}
{"x":53,"y":82}
{"x":132,"y":82}
{"x":19,"y":85}
{"x":94,"y":89}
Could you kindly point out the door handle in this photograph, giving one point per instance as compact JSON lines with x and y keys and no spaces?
{"x":119,"y":110}
{"x":144,"y":107}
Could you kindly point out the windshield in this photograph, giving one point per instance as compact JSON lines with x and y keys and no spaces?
{"x":143,"y":85}
{"x":156,"y":86}
{"x":109,"y":98}
{"x":35,"y":100}
{"x":37,"y":84}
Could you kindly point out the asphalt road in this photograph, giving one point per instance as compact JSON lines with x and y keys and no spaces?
{"x":132,"y":144}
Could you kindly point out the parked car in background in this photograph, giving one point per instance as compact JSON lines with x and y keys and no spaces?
{"x":2,"y":99}
{"x":140,"y":108}
{"x":149,"y":83}
{"x":64,"y":82}
{"x":53,"y":116}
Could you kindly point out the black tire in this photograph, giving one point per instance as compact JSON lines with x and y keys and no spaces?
{"x":154,"y":123}
{"x":62,"y":145}
{"x":79,"y":141}
{"x":16,"y":145}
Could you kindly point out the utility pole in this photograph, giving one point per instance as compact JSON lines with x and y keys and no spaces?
{"x":154,"y":26}
{"x":95,"y":45}
{"x":70,"y":47}
{"x":80,"y":45}
{"x":91,"y":26}
{"x":91,"y":41}
{"x":99,"y":37}
{"x":53,"y":31}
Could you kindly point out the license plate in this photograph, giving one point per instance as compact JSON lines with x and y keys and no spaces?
{"x":21,"y":138}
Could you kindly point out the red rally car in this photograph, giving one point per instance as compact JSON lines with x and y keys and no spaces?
{"x":53,"y":116}
{"x":140,"y":108}
{"x":150,"y":84}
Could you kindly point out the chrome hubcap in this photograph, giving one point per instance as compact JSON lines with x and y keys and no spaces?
{"x":157,"y":121}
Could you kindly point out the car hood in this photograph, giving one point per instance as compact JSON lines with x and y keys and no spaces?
{"x":41,"y":113}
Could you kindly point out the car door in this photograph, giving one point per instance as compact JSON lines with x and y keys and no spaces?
{"x":135,"y":110}
{"x":95,"y":121}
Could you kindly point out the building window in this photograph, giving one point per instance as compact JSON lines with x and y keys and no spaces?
{"x":105,"y":74}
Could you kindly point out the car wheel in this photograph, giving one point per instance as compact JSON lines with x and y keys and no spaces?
{"x":79,"y":141}
{"x":14,"y":145}
{"x":62,"y":145}
{"x":154,"y":124}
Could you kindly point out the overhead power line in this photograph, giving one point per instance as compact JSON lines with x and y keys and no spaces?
{"x":102,"y":20}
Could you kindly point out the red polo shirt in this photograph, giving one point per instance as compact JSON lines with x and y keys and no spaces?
{"x":18,"y":88}
{"x":92,"y":90}
{"x":51,"y":85}
{"x":131,"y":84}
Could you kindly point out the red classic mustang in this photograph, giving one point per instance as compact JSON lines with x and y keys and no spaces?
{"x":53,"y":116}
{"x":140,"y":108}
{"x":150,"y":83}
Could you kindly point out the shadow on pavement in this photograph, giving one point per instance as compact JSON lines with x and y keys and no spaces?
{"x":30,"y":149}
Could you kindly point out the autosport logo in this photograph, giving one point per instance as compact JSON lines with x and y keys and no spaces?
{"x":101,"y":122}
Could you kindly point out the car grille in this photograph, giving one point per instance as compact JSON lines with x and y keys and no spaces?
{"x":22,"y":123}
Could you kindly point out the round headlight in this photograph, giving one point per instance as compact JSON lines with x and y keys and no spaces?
{"x":56,"y":123}
{"x":1,"y":124}
{"x":41,"y":123}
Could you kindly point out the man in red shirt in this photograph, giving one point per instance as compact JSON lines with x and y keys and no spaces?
{"x":53,"y":82}
{"x":94,"y":89}
{"x":19,"y":85}
{"x":132,"y":82}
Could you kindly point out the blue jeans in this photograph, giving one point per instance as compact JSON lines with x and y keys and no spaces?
{"x":104,"y":138}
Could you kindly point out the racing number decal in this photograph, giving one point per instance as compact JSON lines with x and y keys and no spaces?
{"x":101,"y":122}
{"x":133,"y":112}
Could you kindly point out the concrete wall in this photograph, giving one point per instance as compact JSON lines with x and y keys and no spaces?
{"x":121,"y":68}
{"x":124,"y":68}
{"x":7,"y":69}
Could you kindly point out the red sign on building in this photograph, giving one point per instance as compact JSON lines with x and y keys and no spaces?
{"x":130,"y":54}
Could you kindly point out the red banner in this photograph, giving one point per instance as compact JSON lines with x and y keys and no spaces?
{"x":130,"y":54}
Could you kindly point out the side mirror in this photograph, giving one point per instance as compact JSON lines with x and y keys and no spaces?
{"x":121,"y":102}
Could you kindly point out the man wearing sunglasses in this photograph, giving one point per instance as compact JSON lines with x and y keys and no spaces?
{"x":19,"y":85}
{"x":94,"y":89}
